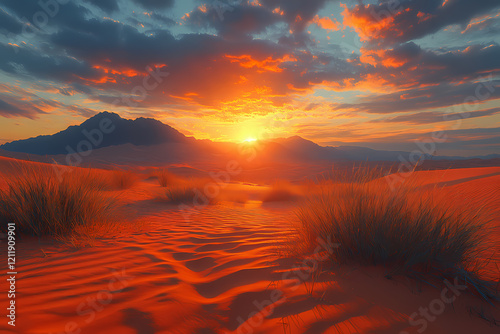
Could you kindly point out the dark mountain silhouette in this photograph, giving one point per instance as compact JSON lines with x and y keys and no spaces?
{"x":148,"y":140}
{"x":368,"y":154}
{"x":307,"y":150}
{"x":102,"y":130}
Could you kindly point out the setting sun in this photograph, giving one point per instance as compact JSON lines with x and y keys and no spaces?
{"x":250,"y":166}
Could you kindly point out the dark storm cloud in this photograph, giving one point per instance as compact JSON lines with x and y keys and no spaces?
{"x":470,"y":63}
{"x":106,"y":5}
{"x":86,"y":50}
{"x":155,"y":4}
{"x":70,"y":15}
{"x":486,"y":26}
{"x":153,"y":21}
{"x":79,"y":88}
{"x":407,"y":20}
{"x":9,"y":23}
{"x":443,"y":95}
{"x":207,"y":65}
{"x":17,"y":108}
{"x":125,"y":45}
{"x":408,"y":64}
{"x":115,"y":45}
{"x":90,"y":53}
{"x":40,"y":20}
{"x":162,"y":18}
{"x":7,"y":109}
{"x":436,"y":117}
{"x":298,"y":13}
{"x":326,"y":69}
{"x":241,"y":18}
{"x":31,"y":105}
{"x":24,"y":61}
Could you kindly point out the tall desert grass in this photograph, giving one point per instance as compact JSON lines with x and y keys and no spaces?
{"x":42,"y":203}
{"x":121,"y":179}
{"x":93,"y":178}
{"x":414,"y":231}
{"x":104,"y":180}
{"x":166,"y":178}
{"x":281,"y":190}
{"x":191,"y":192}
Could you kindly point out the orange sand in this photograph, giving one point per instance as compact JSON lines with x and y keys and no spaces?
{"x":210,"y":274}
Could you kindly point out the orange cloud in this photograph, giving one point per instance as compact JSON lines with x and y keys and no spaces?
{"x":125,"y":72}
{"x":480,"y":23}
{"x":112,"y":75}
{"x":268,"y":64}
{"x":203,"y":8}
{"x":279,"y":11}
{"x":381,"y":57}
{"x":326,"y":23}
{"x":365,"y":24}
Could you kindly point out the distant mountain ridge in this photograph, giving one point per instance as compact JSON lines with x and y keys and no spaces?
{"x":308,"y":150}
{"x":109,"y":129}
{"x":102,"y":130}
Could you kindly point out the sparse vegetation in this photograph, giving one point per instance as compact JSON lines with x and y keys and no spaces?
{"x":42,"y":203}
{"x":280,"y":191}
{"x":190,"y":191}
{"x":180,"y":194}
{"x":123,"y":179}
{"x":90,"y":177}
{"x":414,"y":231}
{"x":165,"y":178}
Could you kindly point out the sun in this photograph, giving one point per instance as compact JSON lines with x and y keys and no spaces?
{"x":250,"y":140}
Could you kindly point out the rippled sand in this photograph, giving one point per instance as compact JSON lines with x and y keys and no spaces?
{"x":216,"y":272}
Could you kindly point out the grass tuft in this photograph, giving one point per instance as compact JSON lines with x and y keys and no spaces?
{"x":280,"y":191}
{"x":191,"y":192}
{"x":123,"y":179}
{"x":42,"y":203}
{"x":414,"y":231}
{"x":166,"y":178}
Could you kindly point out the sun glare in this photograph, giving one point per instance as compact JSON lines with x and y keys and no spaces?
{"x":250,"y":140}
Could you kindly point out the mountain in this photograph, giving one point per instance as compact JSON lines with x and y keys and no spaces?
{"x":102,"y":130}
{"x":308,"y":151}
{"x":368,"y":154}
{"x":116,"y":140}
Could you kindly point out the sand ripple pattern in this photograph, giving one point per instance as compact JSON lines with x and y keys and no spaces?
{"x":211,"y":274}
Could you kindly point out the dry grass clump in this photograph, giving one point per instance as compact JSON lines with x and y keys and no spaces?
{"x":40,"y":202}
{"x":103,"y":180}
{"x":92,"y":178}
{"x":166,"y":178}
{"x":413,"y":231}
{"x":181,"y":194}
{"x":122,"y":179}
{"x":192,"y":192}
{"x":281,"y":191}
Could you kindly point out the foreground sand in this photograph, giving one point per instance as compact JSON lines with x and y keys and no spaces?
{"x":212,"y":272}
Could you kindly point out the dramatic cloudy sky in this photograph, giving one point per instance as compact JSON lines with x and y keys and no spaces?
{"x":380,"y":74}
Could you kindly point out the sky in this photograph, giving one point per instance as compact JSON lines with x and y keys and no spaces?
{"x":381,"y":74}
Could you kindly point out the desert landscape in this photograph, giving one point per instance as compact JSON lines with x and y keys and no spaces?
{"x":187,"y":253}
{"x":249,"y":166}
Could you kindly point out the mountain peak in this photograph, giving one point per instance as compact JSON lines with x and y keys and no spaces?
{"x":296,"y":141}
{"x":141,"y":131}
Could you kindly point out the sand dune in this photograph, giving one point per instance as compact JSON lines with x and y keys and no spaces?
{"x":216,"y":270}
